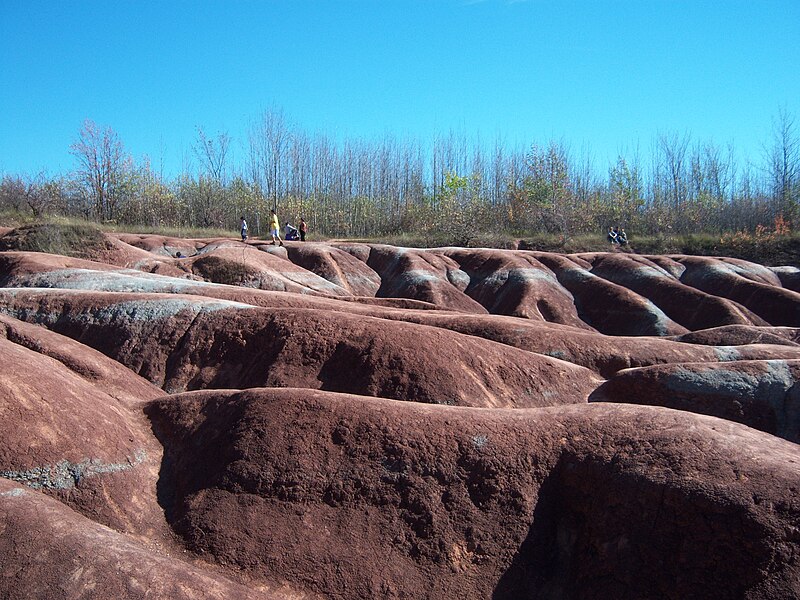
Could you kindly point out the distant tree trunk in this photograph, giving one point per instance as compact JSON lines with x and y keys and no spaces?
{"x":269,"y":137}
{"x":104,"y":167}
{"x":784,"y":165}
{"x":674,"y":148}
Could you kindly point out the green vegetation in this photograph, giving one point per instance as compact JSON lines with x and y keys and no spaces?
{"x":85,"y":240}
{"x":80,"y":240}
{"x":686,"y":196}
{"x":186,"y":233}
{"x":767,"y":248}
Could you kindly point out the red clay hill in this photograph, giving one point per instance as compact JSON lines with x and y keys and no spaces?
{"x":206,"y":418}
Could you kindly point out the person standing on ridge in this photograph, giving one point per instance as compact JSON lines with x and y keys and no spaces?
{"x":275,"y":228}
{"x":243,"y":227}
{"x":303,"y":229}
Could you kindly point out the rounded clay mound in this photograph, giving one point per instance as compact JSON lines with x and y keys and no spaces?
{"x":55,"y":553}
{"x":207,"y":418}
{"x":357,"y":497}
{"x":72,"y":427}
{"x":218,"y":344}
{"x":764,"y":394}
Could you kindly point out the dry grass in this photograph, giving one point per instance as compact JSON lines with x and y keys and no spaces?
{"x":73,"y":237}
{"x":80,"y":240}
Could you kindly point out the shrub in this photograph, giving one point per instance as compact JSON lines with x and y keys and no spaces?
{"x":78,"y":240}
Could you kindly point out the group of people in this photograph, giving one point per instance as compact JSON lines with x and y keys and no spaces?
{"x":616,"y":235}
{"x":290,"y":232}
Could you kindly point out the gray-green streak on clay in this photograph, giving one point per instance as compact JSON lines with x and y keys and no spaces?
{"x":776,"y":387}
{"x":65,"y":475}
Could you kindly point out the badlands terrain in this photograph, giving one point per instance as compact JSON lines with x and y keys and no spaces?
{"x":186,"y":418}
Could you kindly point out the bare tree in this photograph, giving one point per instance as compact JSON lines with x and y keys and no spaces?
{"x":674,"y":149}
{"x":104,"y":168}
{"x":13,"y":192}
{"x":389,"y":185}
{"x":783,"y":162}
{"x":213,"y":154}
{"x":269,"y":137}
{"x":208,"y":199}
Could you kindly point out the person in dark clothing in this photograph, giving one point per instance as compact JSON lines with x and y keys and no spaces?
{"x":303,"y":229}
{"x":290,"y":232}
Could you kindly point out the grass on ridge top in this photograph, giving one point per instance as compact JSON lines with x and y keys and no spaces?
{"x":80,"y":240}
{"x":15,"y":220}
{"x":768,"y":250}
{"x":76,"y":237}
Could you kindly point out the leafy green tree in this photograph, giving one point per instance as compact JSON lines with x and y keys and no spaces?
{"x":625,"y":185}
{"x":155,"y":202}
{"x":548,"y":188}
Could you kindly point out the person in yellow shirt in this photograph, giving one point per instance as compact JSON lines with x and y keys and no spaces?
{"x":275,"y":228}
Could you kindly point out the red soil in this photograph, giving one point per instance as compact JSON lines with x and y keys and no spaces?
{"x":370,"y":421}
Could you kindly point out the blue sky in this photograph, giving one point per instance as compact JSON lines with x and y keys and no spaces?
{"x":606,"y":74}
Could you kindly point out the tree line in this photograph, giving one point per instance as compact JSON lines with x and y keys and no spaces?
{"x":451,"y":188}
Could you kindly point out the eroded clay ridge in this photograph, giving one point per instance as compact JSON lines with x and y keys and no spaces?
{"x":212,"y":419}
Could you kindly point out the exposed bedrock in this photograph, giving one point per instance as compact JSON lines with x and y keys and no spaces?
{"x":608,"y":307}
{"x":188,"y":342}
{"x":617,"y":294}
{"x":516,"y":284}
{"x":71,"y":426}
{"x":763,"y":394}
{"x":690,"y":307}
{"x":422,"y":275}
{"x":379,"y":422}
{"x":38,"y":270}
{"x":337,"y":266}
{"x":245,"y":266}
{"x":741,"y":335}
{"x":50,"y":551}
{"x":788,"y":276}
{"x":356,"y":497}
{"x":756,"y":287}
{"x":601,"y":353}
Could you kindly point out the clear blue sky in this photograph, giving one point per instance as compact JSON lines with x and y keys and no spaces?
{"x":607,"y":74}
